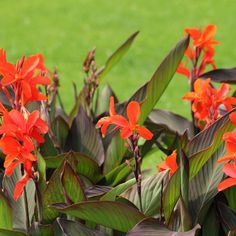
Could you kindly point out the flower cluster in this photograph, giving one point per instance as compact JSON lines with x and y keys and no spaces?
{"x":200,"y":54}
{"x":229,"y":168}
{"x":208,"y":102}
{"x":22,"y":78}
{"x":21,"y":131}
{"x":126,"y":127}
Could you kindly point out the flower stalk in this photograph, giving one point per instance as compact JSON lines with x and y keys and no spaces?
{"x":133,"y":143}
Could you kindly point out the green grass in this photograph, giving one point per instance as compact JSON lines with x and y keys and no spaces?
{"x":63,"y":31}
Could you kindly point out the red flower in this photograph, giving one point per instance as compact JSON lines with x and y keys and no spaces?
{"x":15,"y":124}
{"x":16,"y":143}
{"x":169,"y":164}
{"x":207,"y":101}
{"x":16,"y":152}
{"x":230,"y":170}
{"x":201,"y":52}
{"x":183,"y":69}
{"x":203,"y":39}
{"x":20,"y":186}
{"x":126,"y":127}
{"x":108,"y":120}
{"x":24,"y":77}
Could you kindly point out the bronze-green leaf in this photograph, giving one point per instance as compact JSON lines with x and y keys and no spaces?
{"x":114,"y":215}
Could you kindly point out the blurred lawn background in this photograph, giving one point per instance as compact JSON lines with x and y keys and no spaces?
{"x":63,"y":31}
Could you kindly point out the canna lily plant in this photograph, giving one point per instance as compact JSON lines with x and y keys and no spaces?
{"x":82,"y":172}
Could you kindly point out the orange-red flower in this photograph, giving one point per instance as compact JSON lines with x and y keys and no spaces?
{"x":15,"y":123}
{"x":24,"y":77}
{"x":18,"y":131}
{"x":229,"y":168}
{"x":201,"y":52}
{"x":169,"y":163}
{"x":109,"y":120}
{"x":126,"y":127}
{"x":203,"y":39}
{"x":207,"y":101}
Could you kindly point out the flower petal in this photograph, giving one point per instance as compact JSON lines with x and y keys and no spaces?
{"x":119,"y":120}
{"x":229,"y":182}
{"x":145,"y":133}
{"x":32,"y":118}
{"x":229,"y":157}
{"x":133,"y":113}
{"x":230,"y":170}
{"x":30,"y":64}
{"x":233,"y":117}
{"x":20,"y":186}
{"x":125,"y":132}
{"x":209,"y":32}
{"x":112,"y":111}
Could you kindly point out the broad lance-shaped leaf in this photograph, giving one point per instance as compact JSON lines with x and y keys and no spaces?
{"x":203,"y":186}
{"x":227,"y":218}
{"x":118,"y":190}
{"x":205,"y":143}
{"x":63,"y":182}
{"x":72,"y":184}
{"x":230,"y":194}
{"x":171,"y":195}
{"x":97,"y":191}
{"x":199,"y":150}
{"x":150,"y":195}
{"x":6,"y":232}
{"x":151,"y":227}
{"x":72,"y":228}
{"x":210,"y":225}
{"x":148,"y":95}
{"x":52,"y":194}
{"x":114,"y":153}
{"x":84,"y":138}
{"x":6,"y":218}
{"x":114,"y":215}
{"x":116,"y":56}
{"x":224,"y":75}
{"x":18,"y":207}
{"x":186,"y":221}
{"x":118,"y":174}
{"x":42,"y":171}
{"x":103,"y":98}
{"x":84,"y":165}
{"x":173,"y":122}
{"x":60,"y":129}
{"x":37,"y":229}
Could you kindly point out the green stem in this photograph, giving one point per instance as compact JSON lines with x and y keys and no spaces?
{"x":26,"y":205}
{"x":139,"y":180}
{"x":39,"y":202}
{"x":26,"y":211}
